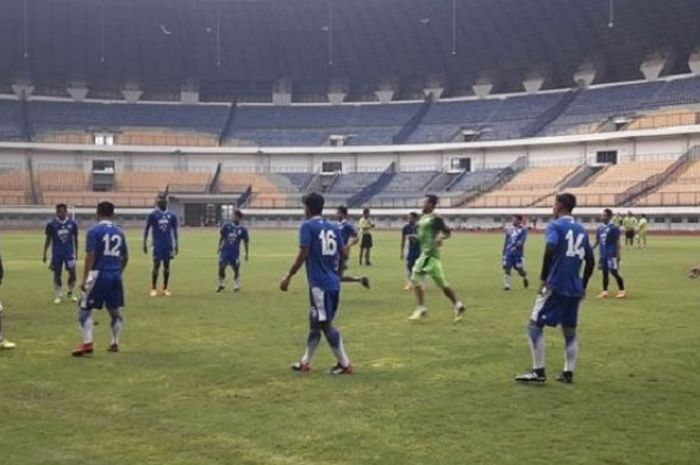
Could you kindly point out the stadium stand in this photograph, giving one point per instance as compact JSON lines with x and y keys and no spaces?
{"x":11,"y":121}
{"x":15,"y":184}
{"x":681,"y":190}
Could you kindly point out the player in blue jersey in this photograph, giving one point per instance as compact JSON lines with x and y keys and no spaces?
{"x":608,"y":241}
{"x":4,"y":343}
{"x":409,"y":235}
{"x":230,"y":237}
{"x":562,"y":289}
{"x":320,"y":248}
{"x":350,"y":238}
{"x":106,"y":257}
{"x":62,"y":236}
{"x":514,"y":251}
{"x":163,"y":223}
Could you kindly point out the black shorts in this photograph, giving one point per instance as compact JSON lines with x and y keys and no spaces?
{"x":629,"y":234}
{"x":366,"y":242}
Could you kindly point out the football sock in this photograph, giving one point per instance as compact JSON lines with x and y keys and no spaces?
{"x":72,"y":278}
{"x":571,"y":350}
{"x":116,"y":325}
{"x":606,"y":280}
{"x":536,"y":339}
{"x":619,"y":280}
{"x":507,"y":281}
{"x":336,"y":342}
{"x":57,"y":288}
{"x":221,"y":282}
{"x":85,"y":319}
{"x":166,"y":278}
{"x":1,"y":337}
{"x":154,"y":279}
{"x":311,"y":345}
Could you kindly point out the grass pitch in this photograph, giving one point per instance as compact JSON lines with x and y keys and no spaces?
{"x":204,"y":378}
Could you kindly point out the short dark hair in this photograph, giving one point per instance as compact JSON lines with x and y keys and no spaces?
{"x":567,"y":200}
{"x":518,"y":217}
{"x":365,"y":211}
{"x":61,"y":205}
{"x":238,"y":214}
{"x":433,"y":199}
{"x":314,"y":202}
{"x":413,"y":215}
{"x":607,"y":211}
{"x":105,"y":209}
{"x":343,"y":210}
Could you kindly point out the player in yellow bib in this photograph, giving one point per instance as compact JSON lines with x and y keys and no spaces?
{"x":366,"y":243}
{"x":432,"y":231}
{"x":642,"y":230}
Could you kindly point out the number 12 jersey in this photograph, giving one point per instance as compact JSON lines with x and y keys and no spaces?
{"x":108,"y":243}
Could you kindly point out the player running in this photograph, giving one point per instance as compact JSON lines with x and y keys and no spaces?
{"x":513,"y":251}
{"x":320,"y":247}
{"x":432,"y":231}
{"x":62,"y":236}
{"x":4,"y":343}
{"x":230,"y":238}
{"x":561,"y":291}
{"x":105,"y":260}
{"x":608,"y":238}
{"x":165,"y":242}
{"x":642,"y":231}
{"x":409,"y":234}
{"x":349,"y":233}
{"x":366,"y":243}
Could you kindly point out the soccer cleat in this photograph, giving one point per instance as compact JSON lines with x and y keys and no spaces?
{"x":419,"y":314}
{"x":6,"y":345}
{"x":167,"y":293}
{"x":339,"y":369}
{"x":72,"y":297}
{"x":621,"y":295}
{"x":83,"y":349}
{"x":526,"y":283}
{"x":408,"y":287}
{"x":153,"y":293}
{"x":532,"y":377}
{"x":602,"y":295}
{"x":301,"y":367}
{"x":566,"y":377}
{"x":506,"y":289}
{"x":113,"y":348}
{"x":459,"y":313}
{"x":365,"y":282}
{"x":236,"y":287}
{"x":220,"y":289}
{"x":57,"y":301}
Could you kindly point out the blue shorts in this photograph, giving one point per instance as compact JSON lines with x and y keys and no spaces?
{"x":513,"y":261}
{"x":608,"y":264}
{"x":411,"y":261}
{"x":59,"y":261}
{"x":103,"y":289}
{"x":226,"y":260}
{"x":555,"y":309}
{"x":163,"y":254}
{"x":324,"y":304}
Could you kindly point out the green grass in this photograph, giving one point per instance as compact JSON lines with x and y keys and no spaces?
{"x":204,"y":378}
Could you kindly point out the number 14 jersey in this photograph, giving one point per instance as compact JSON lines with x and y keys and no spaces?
{"x":323,"y":241}
{"x":571,"y":246}
{"x":108,"y":243}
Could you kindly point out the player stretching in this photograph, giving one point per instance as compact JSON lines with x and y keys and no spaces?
{"x":62,"y":236}
{"x":320,"y":247}
{"x":432,"y":231}
{"x":165,"y":242}
{"x":513,"y":251}
{"x":561,"y":291}
{"x":4,"y":343}
{"x":409,"y":234}
{"x":230,"y":238}
{"x":349,"y":233}
{"x":105,"y":260}
{"x":608,"y":238}
{"x":366,"y":243}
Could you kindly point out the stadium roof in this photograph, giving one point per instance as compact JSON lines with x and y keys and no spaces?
{"x":230,"y":48}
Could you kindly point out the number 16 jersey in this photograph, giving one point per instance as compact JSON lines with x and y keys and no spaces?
{"x":323,"y":241}
{"x":571,"y":246}
{"x":108,"y":243}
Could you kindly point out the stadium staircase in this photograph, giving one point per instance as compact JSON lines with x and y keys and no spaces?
{"x":580,"y":176}
{"x":366,"y":194}
{"x":493,"y":184}
{"x":35,"y":196}
{"x":245,"y":197}
{"x":551,"y":115}
{"x":213,"y":185}
{"x":229,"y":122}
{"x":412,"y":124}
{"x":26,"y":125}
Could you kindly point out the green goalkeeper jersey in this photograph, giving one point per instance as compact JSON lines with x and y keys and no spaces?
{"x":429,"y":226}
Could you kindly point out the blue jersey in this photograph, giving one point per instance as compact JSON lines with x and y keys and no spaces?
{"x":410,"y":231}
{"x":323,"y":241}
{"x":164,"y":229}
{"x":571,"y":247}
{"x":608,"y":236}
{"x":62,"y":234}
{"x":231,"y":237}
{"x":108,"y":243}
{"x":514,"y":244}
{"x":347,"y":230}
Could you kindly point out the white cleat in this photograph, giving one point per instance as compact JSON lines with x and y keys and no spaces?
{"x":57,"y":301}
{"x":460,"y":310}
{"x":6,"y":345}
{"x":419,"y":314}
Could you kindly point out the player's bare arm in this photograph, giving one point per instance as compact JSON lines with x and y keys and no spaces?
{"x":246,"y":247}
{"x":145,"y":236}
{"x":87,"y":267}
{"x":47,"y":244}
{"x":298,"y":263}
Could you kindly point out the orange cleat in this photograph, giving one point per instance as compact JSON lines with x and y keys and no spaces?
{"x":621,"y":295}
{"x":83,"y":349}
{"x":603,"y":295}
{"x":166,"y":292}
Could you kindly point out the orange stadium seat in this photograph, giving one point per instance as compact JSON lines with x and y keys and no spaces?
{"x":682,"y":190}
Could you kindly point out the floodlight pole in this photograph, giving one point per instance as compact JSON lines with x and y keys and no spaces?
{"x":454,"y":27}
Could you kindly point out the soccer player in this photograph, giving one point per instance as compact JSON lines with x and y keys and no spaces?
{"x":320,"y":248}
{"x":432,"y":231}
{"x":4,"y":343}
{"x":230,"y":238}
{"x":409,"y":234}
{"x":366,"y":243}
{"x":629,"y":224}
{"x":349,"y":233}
{"x":561,"y":291}
{"x":513,"y":251}
{"x":62,"y":236}
{"x":106,"y":257}
{"x":165,"y":242}
{"x":642,"y":230}
{"x":608,"y":238}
